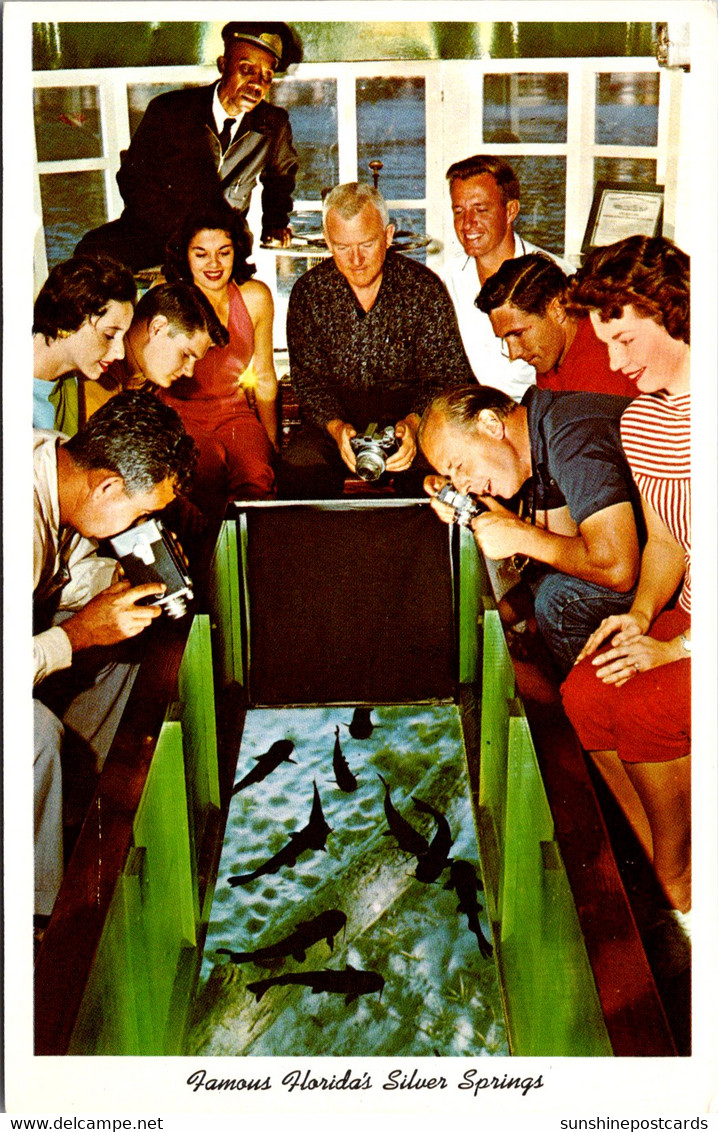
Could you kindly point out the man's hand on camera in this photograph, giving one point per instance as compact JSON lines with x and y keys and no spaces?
{"x":113,"y":615}
{"x":341,"y":433}
{"x":499,"y":532}
{"x":432,"y":486}
{"x":405,"y":431}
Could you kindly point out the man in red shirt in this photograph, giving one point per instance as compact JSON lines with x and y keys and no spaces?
{"x":526,"y":302}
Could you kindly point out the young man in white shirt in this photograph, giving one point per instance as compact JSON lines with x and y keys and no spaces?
{"x":485,"y":201}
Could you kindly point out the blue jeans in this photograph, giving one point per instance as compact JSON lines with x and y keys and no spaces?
{"x":569,"y":609}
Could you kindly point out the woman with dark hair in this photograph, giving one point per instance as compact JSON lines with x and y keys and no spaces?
{"x":229,"y":405}
{"x":80,"y":319}
{"x":630,"y":690}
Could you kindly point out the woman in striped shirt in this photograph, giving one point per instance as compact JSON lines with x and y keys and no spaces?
{"x":633,"y":696}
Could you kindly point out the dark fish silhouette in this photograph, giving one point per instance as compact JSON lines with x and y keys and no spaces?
{"x":464,"y":881}
{"x":361,"y":725}
{"x":324,"y":926}
{"x":432,"y":863}
{"x":279,"y":752}
{"x":312,"y":836}
{"x":349,"y":982}
{"x":345,"y":780}
{"x":407,"y":838}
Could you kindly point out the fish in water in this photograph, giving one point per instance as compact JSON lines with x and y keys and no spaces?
{"x":407,"y":838}
{"x":324,"y":926}
{"x":349,"y":982}
{"x":345,"y":780}
{"x":432,"y":863}
{"x":361,"y":725}
{"x":312,"y":836}
{"x":464,"y":881}
{"x":279,"y":752}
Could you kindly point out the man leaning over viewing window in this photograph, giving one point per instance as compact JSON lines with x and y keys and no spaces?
{"x":129,"y":460}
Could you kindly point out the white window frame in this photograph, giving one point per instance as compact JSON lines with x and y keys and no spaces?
{"x":454,"y":129}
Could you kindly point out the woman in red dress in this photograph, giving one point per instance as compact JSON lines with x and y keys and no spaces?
{"x":229,"y":405}
{"x":633,"y":696}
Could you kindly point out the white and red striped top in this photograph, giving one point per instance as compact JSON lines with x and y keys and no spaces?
{"x":656,"y":437}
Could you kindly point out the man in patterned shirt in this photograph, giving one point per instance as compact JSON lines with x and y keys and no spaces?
{"x":372,"y":337}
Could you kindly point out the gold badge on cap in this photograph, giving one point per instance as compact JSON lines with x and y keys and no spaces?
{"x":273,"y":42}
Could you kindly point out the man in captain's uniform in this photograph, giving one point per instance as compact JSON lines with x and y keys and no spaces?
{"x":195,"y":146}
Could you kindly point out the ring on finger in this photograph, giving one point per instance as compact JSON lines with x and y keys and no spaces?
{"x":635,"y":665}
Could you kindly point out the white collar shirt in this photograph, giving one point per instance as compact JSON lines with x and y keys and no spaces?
{"x":65,"y":565}
{"x":220,"y":115}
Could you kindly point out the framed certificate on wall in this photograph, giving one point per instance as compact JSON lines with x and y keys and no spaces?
{"x":620,"y":209}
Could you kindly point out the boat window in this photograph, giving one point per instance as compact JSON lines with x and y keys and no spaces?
{"x":627,"y":108}
{"x":525,"y":108}
{"x":312,"y":107}
{"x":563,"y":124}
{"x":624,"y":169}
{"x":72,"y":203}
{"x":391,"y":127}
{"x":410,"y":225}
{"x":67,"y":123}
{"x":543,"y":200}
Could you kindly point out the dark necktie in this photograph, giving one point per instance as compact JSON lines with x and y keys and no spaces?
{"x":226,"y":134}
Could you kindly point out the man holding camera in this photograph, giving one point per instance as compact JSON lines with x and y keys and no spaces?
{"x":561,"y":455}
{"x":126,"y":462}
{"x":372,"y":337}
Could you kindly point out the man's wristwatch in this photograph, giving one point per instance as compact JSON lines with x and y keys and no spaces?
{"x":686,"y":643}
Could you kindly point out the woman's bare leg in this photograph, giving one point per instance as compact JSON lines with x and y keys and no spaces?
{"x":665,"y":792}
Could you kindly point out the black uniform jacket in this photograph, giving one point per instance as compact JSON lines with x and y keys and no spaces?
{"x":174,"y":163}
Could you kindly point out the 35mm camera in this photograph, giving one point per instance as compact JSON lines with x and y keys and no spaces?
{"x":373,"y":449}
{"x":148,"y":553}
{"x":465,"y":507}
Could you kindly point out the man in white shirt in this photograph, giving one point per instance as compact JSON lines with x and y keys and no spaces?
{"x":125,"y":463}
{"x":485,"y":201}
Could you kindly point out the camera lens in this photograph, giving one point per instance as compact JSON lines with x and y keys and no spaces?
{"x":370,"y":465}
{"x":175,"y":606}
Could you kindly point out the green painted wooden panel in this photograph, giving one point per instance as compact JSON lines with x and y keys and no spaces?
{"x":224,"y":597}
{"x":140,"y":988}
{"x":108,"y":1022}
{"x":473,"y":583}
{"x":199,"y":733}
{"x":552,"y":1005}
{"x":165,"y":908}
{"x":243,"y":581}
{"x":497,"y":697}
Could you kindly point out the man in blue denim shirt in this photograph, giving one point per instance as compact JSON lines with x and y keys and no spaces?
{"x":561,"y":454}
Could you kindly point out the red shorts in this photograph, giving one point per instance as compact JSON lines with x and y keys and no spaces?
{"x":647,"y":719}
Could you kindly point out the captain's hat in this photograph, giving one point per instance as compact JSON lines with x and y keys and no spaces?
{"x":276,"y":38}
